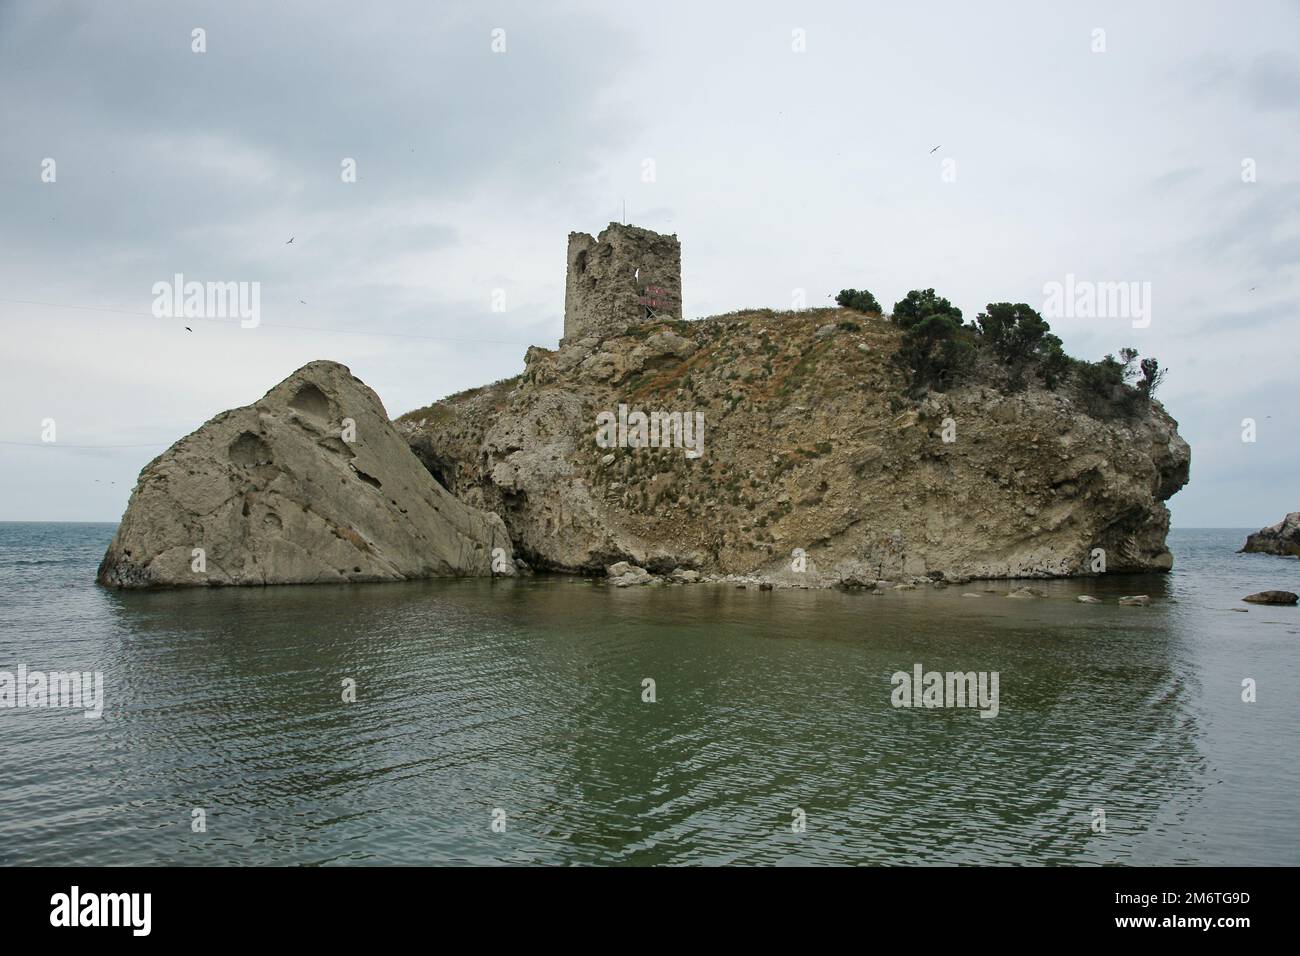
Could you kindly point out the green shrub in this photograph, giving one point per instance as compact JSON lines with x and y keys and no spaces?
{"x":859,"y":299}
{"x":1108,"y":388}
{"x":1055,"y":365}
{"x":1100,"y":386}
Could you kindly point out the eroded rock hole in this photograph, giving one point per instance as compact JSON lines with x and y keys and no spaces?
{"x":248,"y":450}
{"x":368,"y":479}
{"x":311,"y":401}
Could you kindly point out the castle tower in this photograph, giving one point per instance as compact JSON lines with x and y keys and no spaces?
{"x":624,"y":276}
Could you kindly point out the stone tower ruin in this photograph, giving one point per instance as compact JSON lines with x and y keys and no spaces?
{"x":624,"y":276}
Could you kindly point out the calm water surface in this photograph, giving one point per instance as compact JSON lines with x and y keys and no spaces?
{"x":526,"y":696}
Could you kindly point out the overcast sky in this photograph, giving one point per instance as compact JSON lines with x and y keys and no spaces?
{"x":778,"y":170}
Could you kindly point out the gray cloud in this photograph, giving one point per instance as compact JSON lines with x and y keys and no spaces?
{"x":1272,"y":82}
{"x":779,"y":171}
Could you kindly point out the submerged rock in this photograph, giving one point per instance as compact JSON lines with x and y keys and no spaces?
{"x":1282,"y":538}
{"x":1135,"y":600}
{"x":310,"y":484}
{"x":1023,"y":593}
{"x":1272,"y":597}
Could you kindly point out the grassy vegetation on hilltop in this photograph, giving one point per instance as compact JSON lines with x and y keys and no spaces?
{"x":440,"y":409}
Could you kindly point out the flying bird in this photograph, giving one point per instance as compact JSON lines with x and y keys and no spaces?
{"x":290,"y":240}
{"x":188,"y":329}
{"x":935,"y":150}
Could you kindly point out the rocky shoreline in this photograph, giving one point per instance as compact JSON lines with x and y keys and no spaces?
{"x":623,"y":575}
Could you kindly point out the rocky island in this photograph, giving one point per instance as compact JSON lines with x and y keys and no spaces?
{"x":1281,"y":539}
{"x":812,"y":448}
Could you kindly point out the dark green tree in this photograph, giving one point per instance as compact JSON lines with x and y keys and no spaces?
{"x":1056,"y":365}
{"x":1014,"y":332}
{"x":934,"y":352}
{"x":859,"y":299}
{"x":1019,"y":336}
{"x":920,"y":304}
{"x":1152,"y":376}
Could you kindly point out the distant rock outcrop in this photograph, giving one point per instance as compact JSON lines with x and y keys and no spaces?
{"x":1282,"y":538}
{"x":310,"y":484}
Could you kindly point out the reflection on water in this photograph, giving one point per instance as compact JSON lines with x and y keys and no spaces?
{"x":527,"y":696}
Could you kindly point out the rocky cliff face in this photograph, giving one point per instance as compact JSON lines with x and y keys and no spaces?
{"x":1282,"y":538}
{"x":310,"y":484}
{"x":813,"y":466}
